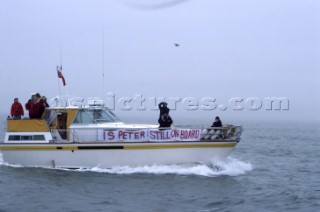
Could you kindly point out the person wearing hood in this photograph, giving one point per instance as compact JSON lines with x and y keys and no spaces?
{"x":163,"y":107}
{"x":217,"y":122}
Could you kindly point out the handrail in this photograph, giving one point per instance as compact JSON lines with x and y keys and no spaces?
{"x":222,"y":133}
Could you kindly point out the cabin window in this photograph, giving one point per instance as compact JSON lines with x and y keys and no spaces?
{"x":26,"y":138}
{"x":83,"y":117}
{"x":87,"y":116}
{"x":14,"y":137}
{"x":39,"y":138}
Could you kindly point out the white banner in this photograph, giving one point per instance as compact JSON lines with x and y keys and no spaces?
{"x":155,"y":135}
{"x":123,"y":135}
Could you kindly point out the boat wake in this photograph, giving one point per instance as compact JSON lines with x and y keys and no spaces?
{"x":228,"y":167}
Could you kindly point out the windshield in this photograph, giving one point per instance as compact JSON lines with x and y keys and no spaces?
{"x":87,"y":116}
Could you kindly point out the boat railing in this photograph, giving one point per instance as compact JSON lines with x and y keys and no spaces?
{"x":217,"y":133}
{"x":224,"y":133}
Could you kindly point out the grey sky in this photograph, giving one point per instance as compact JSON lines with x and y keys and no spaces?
{"x":227,"y":49}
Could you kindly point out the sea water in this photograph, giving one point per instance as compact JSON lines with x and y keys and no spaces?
{"x":275,"y":167}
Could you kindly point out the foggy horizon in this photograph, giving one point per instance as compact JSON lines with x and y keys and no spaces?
{"x":198,"y":49}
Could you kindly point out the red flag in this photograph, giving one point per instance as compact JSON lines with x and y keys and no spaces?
{"x":61,"y":76}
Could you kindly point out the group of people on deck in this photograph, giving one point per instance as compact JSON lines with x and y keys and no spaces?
{"x":35,"y":105}
{"x":165,"y":121}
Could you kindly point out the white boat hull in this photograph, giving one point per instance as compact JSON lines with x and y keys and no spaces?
{"x":106,"y":155}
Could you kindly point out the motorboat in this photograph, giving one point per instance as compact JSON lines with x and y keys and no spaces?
{"x":90,"y":135}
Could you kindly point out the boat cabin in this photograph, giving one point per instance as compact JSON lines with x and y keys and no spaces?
{"x":93,"y":123}
{"x":55,"y":124}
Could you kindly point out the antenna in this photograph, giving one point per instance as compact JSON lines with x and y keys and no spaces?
{"x":102,"y":60}
{"x":60,"y":57}
{"x":59,"y":69}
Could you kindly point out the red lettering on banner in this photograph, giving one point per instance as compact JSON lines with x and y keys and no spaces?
{"x":129,"y":134}
{"x":132,"y":135}
{"x":174,"y":133}
{"x":136,"y":135}
{"x":181,"y":134}
{"x":196,"y":133}
{"x":110,"y":135}
{"x":124,"y":134}
{"x":189,"y":134}
{"x":150,"y":135}
{"x":120,"y":133}
{"x":156,"y":134}
{"x":166,"y":135}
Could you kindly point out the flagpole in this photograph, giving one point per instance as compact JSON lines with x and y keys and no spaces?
{"x":65,"y":88}
{"x":60,"y":75}
{"x":59,"y":87}
{"x":67,"y":103}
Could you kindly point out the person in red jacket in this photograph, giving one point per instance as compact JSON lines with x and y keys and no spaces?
{"x":35,"y":106}
{"x":16,"y":109}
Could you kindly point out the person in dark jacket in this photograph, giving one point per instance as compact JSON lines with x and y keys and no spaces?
{"x":45,"y":101}
{"x":165,"y":121}
{"x":163,"y":107}
{"x":217,"y":122}
{"x":16,"y":109}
